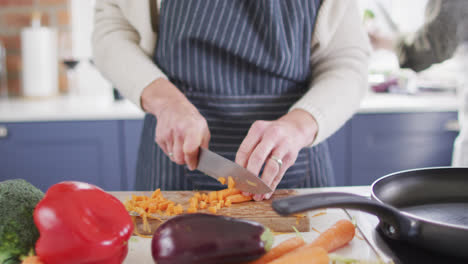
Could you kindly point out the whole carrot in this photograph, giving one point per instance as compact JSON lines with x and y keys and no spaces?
{"x":238,"y":198}
{"x":227,"y":192}
{"x":281,"y":249}
{"x":340,"y":234}
{"x":304,"y":255}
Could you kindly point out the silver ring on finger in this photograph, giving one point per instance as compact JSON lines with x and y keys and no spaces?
{"x":277,"y":160}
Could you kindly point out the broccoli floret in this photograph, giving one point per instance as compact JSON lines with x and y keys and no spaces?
{"x":18,"y":233}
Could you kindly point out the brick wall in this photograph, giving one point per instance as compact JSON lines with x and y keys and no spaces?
{"x":16,"y":14}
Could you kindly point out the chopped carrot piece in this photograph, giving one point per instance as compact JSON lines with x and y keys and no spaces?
{"x":144,"y":204}
{"x":222,"y":180}
{"x":178,"y":209}
{"x":144,"y":198}
{"x":170,"y":208}
{"x":163,"y":205}
{"x":228,"y":192}
{"x":238,"y":198}
{"x":193,"y":202}
{"x":233,"y":191}
{"x":212,"y":196}
{"x":197,"y":195}
{"x":204,"y":197}
{"x":231,"y":183}
{"x":153,"y":208}
{"x":156,"y":193}
{"x":228,"y":203}
{"x":192,"y":210}
{"x":219,"y":195}
{"x":215,"y":202}
{"x":221,"y":203}
{"x":203,"y":205}
{"x":137,"y":198}
{"x":212,"y":209}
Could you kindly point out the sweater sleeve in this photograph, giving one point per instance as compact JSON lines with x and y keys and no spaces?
{"x":117,"y":53}
{"x":339,"y":68}
{"x":437,"y":39}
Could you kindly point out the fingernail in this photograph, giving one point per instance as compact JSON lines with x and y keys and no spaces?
{"x":268,"y":196}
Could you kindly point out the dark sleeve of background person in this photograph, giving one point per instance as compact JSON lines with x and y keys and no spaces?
{"x":446,"y":25}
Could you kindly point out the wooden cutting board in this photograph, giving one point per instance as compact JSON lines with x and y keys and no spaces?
{"x":260,"y":212}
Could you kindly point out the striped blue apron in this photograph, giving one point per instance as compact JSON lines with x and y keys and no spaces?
{"x":237,"y":61}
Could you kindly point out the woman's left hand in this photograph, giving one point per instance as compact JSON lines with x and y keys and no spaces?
{"x":268,"y":141}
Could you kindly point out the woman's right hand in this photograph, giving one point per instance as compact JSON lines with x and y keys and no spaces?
{"x":181,"y":130}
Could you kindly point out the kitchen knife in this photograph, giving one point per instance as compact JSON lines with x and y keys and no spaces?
{"x":217,"y":166}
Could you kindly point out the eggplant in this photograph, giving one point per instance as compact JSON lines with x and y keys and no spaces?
{"x":209,"y":239}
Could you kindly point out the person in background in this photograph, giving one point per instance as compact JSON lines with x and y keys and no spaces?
{"x":264,"y":83}
{"x":444,"y":32}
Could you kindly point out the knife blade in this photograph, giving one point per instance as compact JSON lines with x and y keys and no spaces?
{"x":217,"y":166}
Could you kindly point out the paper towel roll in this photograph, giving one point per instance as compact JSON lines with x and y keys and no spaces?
{"x":40,"y":61}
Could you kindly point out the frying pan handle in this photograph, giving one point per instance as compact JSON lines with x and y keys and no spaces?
{"x":393,"y":223}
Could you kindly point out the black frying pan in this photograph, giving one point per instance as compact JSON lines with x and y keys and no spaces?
{"x":426,"y":207}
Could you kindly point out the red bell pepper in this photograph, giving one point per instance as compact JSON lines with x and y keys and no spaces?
{"x":80,"y":223}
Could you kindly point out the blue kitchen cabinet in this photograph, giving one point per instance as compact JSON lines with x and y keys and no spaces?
{"x":340,"y":150}
{"x":132,"y":131}
{"x":45,"y":153}
{"x":386,"y":143}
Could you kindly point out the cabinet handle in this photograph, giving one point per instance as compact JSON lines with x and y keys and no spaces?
{"x":3,"y":131}
{"x":452,"y":126}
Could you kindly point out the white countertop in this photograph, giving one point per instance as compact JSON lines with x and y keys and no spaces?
{"x":67,"y":109}
{"x":361,"y":247}
{"x":96,"y":108}
{"x":397,"y":103}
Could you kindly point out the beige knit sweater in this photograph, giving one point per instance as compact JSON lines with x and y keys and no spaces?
{"x":124,"y":41}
